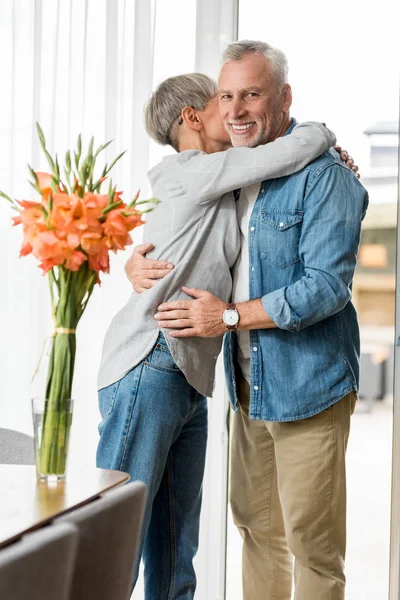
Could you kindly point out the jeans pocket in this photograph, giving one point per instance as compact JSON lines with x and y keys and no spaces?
{"x":160,"y":357}
{"x":106,"y":397}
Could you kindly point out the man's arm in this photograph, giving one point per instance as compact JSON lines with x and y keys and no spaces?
{"x":206,"y":177}
{"x":334,"y":208}
{"x":202,"y":317}
{"x":335,"y":205}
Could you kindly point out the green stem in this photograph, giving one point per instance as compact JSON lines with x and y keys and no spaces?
{"x":73,"y":290}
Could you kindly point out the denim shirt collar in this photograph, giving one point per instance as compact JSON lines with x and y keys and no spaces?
{"x":292,"y":126}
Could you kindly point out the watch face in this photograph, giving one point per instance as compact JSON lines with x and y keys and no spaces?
{"x":231,"y":317}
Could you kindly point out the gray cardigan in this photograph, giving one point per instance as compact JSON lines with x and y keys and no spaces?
{"x":195,"y":228}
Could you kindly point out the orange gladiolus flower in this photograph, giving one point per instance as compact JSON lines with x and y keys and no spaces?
{"x":44,"y":181}
{"x":65,"y":229}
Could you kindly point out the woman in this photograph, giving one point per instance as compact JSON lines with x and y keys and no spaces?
{"x":153,"y":389}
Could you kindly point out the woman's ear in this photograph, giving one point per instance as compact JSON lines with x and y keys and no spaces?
{"x":190,"y":118}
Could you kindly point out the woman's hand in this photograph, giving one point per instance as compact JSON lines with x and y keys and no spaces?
{"x":143,"y":272}
{"x":346,"y":158}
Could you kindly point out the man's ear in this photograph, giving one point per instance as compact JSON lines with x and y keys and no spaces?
{"x":287,"y":98}
{"x":190,"y":118}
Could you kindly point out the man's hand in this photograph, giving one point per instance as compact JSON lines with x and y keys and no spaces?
{"x":142,"y":272}
{"x":201,"y":317}
{"x":344,"y":156}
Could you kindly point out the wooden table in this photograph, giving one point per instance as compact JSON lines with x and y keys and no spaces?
{"x":26,"y":504}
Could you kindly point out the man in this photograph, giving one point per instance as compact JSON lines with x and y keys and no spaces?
{"x":292,"y":359}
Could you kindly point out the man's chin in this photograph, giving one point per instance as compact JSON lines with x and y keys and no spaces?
{"x":251,"y":141}
{"x":244,"y":141}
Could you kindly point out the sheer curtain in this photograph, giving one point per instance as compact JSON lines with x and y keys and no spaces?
{"x":74,"y":66}
{"x":88,"y":66}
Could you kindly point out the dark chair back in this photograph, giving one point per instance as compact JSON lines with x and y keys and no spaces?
{"x":40,"y":565}
{"x":109,"y":530}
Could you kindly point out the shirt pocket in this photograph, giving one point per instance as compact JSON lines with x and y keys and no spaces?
{"x":280,"y":236}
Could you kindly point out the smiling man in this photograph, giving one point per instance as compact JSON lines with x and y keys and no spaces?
{"x":292,"y":349}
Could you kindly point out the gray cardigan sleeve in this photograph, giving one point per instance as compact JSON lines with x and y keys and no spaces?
{"x":206,"y":177}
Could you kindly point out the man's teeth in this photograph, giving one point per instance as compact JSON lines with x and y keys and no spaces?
{"x":241,"y":127}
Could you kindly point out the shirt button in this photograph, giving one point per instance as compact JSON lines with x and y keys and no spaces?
{"x":252,"y":268}
{"x":262,"y":191}
{"x":281,"y":224}
{"x":295,"y":325}
{"x":255,"y":348}
{"x":256,"y":387}
{"x":252,"y":228}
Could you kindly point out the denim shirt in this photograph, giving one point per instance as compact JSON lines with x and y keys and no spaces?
{"x":304,"y":235}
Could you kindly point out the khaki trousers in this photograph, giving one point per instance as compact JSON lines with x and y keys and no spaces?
{"x":288,"y":500}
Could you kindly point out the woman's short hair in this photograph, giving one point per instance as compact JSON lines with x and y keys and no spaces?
{"x":163,"y":111}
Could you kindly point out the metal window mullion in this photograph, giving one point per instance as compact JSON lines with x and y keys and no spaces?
{"x":394,"y":570}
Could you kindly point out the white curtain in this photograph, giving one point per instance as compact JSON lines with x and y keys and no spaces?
{"x":88,"y":66}
{"x":74,"y":66}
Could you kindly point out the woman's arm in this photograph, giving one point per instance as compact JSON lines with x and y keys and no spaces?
{"x":206,"y":177}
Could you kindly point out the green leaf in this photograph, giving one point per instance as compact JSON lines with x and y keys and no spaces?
{"x":42,"y":139}
{"x":14,"y":205}
{"x":111,"y":207}
{"x":57,"y":169}
{"x":35,"y":187}
{"x":101,"y":148}
{"x":67,"y":177}
{"x":142,"y":212}
{"x":150,"y":201}
{"x":3,"y":195}
{"x":115,"y":161}
{"x":96,"y":186}
{"x":68,"y":161}
{"x":49,"y":159}
{"x":82,"y":177}
{"x":134,"y":204}
{"x":32,"y":172}
{"x":91,"y":143}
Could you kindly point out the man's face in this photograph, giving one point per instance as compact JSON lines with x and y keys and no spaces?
{"x":254,"y":111}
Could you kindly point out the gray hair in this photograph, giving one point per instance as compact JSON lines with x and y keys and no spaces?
{"x":164,"y":108}
{"x":276,"y":58}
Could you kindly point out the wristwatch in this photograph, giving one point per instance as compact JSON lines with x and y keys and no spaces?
{"x":231,"y":317}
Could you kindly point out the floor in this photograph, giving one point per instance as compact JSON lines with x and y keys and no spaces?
{"x":369,"y":472}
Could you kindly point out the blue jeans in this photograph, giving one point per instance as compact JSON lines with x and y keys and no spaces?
{"x":154,"y":426}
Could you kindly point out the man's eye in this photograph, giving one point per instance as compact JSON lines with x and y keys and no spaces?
{"x":251,"y":95}
{"x":225,"y":97}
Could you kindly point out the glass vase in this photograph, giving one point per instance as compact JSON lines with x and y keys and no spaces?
{"x":51,"y":428}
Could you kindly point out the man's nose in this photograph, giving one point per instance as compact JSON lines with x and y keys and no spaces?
{"x":237,"y":109}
